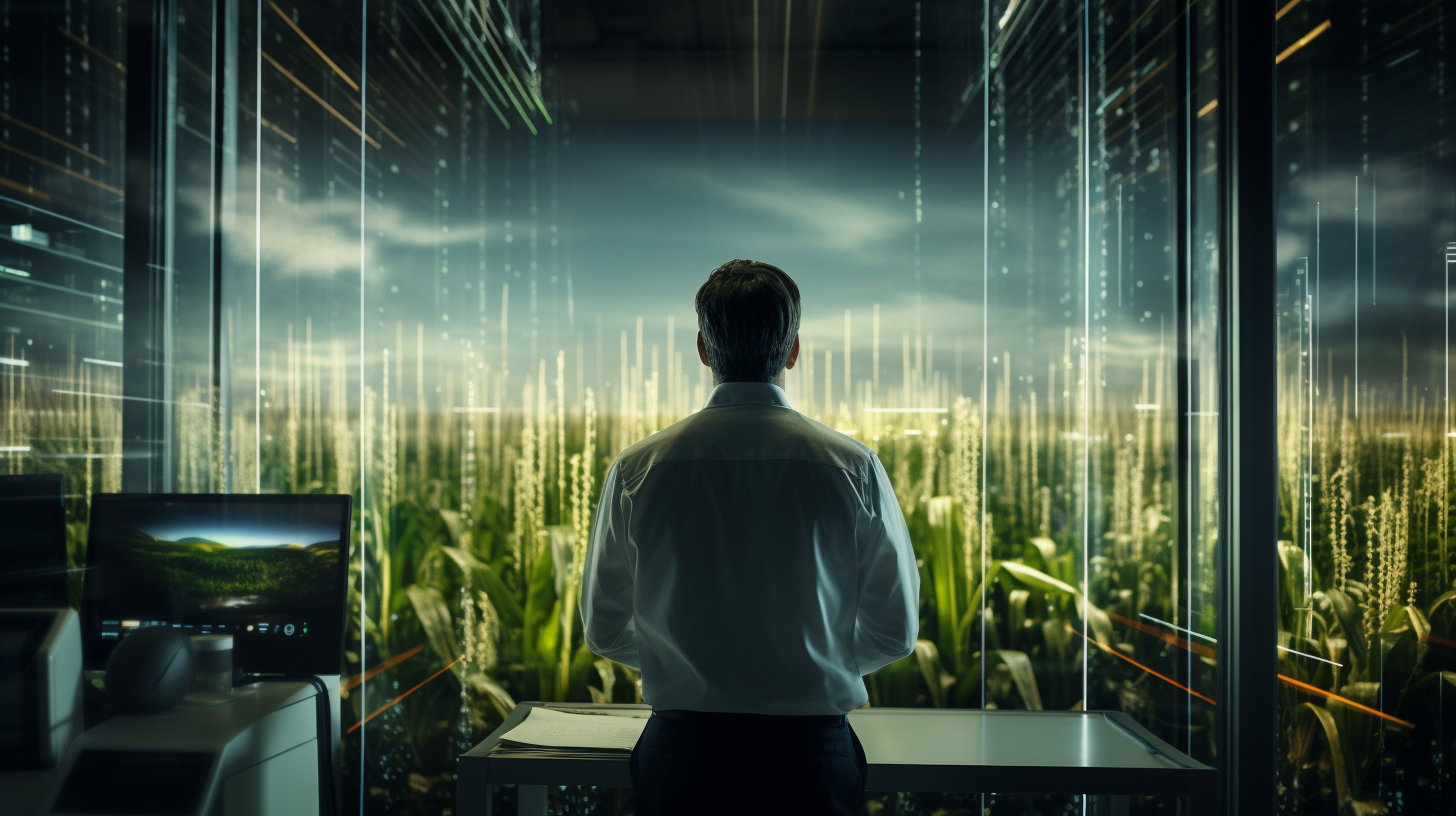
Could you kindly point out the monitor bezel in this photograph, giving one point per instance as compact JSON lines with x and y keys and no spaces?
{"x":96,"y":650}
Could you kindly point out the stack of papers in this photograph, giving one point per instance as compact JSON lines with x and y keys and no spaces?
{"x":564,"y":732}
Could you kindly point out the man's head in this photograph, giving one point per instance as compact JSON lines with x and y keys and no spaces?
{"x":748,"y":322}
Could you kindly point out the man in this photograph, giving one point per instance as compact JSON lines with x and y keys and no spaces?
{"x":754,"y":564}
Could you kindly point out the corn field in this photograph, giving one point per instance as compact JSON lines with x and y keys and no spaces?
{"x":1042,"y":514}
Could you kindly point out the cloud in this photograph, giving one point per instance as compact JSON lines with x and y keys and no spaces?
{"x":816,"y":215}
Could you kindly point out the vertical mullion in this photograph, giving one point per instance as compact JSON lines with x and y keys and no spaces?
{"x":150,"y":50}
{"x":1248,"y":567}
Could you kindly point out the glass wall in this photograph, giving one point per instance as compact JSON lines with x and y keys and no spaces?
{"x":1367,"y":633}
{"x":441,"y":256}
{"x":62,"y":166}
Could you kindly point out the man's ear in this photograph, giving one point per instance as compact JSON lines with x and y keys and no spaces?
{"x":703,"y":351}
{"x":793,"y":354}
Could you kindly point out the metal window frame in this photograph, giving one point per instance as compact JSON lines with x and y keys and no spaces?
{"x":151,"y":93}
{"x":1248,"y":549}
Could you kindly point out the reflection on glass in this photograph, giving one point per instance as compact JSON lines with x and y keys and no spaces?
{"x":441,"y":256}
{"x":61,"y":179}
{"x":1365,"y":220}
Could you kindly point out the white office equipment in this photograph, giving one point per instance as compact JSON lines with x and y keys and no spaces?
{"x":254,"y":755}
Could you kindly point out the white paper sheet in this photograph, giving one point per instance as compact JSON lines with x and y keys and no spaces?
{"x":558,"y":729}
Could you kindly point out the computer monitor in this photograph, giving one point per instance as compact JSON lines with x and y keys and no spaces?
{"x":270,"y":570}
{"x":32,"y":541}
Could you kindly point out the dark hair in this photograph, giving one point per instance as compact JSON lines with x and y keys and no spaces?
{"x":748,"y":312}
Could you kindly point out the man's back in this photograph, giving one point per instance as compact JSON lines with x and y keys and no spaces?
{"x":750,"y":559}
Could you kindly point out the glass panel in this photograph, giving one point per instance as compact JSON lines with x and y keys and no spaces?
{"x":1151,"y":298}
{"x":1365,"y":221}
{"x":1101,"y":304}
{"x":441,"y":257}
{"x":62,"y":157}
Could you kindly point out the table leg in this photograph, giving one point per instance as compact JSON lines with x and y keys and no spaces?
{"x":531,"y":800}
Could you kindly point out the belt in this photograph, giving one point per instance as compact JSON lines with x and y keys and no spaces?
{"x":736,"y":719}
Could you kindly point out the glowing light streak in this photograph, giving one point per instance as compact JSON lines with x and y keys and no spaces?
{"x":15,"y":449}
{"x":390,"y":704}
{"x":1310,"y":656}
{"x":1172,"y":640}
{"x":382,"y":667}
{"x":120,"y":397}
{"x":907,"y":410}
{"x":62,"y":169}
{"x":1179,"y":628}
{"x":1302,"y":42}
{"x":1300,"y":684}
{"x":33,"y":129}
{"x":314,"y":46}
{"x":319,"y":99}
{"x":1165,"y":678}
{"x":11,"y":361}
{"x":1147,"y":406}
{"x":1287,"y":7}
{"x":107,"y":58}
{"x":1207,"y":109}
{"x":95,"y":361}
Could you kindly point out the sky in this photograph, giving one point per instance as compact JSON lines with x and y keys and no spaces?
{"x":238,"y":523}
{"x":644,"y":211}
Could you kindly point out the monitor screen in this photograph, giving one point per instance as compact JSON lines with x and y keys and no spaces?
{"x":33,"y":541}
{"x":267,"y":569}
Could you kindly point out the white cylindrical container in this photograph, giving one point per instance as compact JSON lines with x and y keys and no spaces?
{"x":214,"y":663}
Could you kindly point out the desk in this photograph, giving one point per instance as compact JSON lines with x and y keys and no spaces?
{"x":1096,"y":753}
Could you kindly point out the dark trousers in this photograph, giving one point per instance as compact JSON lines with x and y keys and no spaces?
{"x":689,"y":763}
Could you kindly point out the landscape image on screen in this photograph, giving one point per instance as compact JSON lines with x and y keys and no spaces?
{"x":223,"y":561}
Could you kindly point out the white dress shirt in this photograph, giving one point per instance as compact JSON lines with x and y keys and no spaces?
{"x":749,"y":559}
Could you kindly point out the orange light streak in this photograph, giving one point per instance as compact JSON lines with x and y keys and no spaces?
{"x":60,"y":168}
{"x":24,"y":188}
{"x":113,"y":62}
{"x":1288,"y":7}
{"x":319,"y":99}
{"x":1165,"y":678}
{"x":385,"y":666}
{"x":33,"y":129}
{"x":1170,"y":639}
{"x":316,"y":49}
{"x":386,"y":706}
{"x":1299,"y":684}
{"x":1302,"y":41}
{"x":1207,"y":109}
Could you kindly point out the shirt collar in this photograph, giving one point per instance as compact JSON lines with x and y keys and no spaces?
{"x":747,"y":393}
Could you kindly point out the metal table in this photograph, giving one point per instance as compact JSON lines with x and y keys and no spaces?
{"x":1101,"y":754}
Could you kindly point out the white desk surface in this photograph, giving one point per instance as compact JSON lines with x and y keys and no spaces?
{"x":925,"y":749}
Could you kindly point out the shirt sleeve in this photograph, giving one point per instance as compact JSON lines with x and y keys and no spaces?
{"x":889,"y":581}
{"x":608,"y":580}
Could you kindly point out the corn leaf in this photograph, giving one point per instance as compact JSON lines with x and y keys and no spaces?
{"x":499,"y":698}
{"x":1016,"y":603}
{"x":608,"y":677}
{"x":434,"y":617}
{"x":1036,"y":579}
{"x":1347,"y":613}
{"x":1337,"y":753}
{"x":502,"y":598}
{"x":937,"y":681}
{"x":1446,"y":597}
{"x":1021,"y":674}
